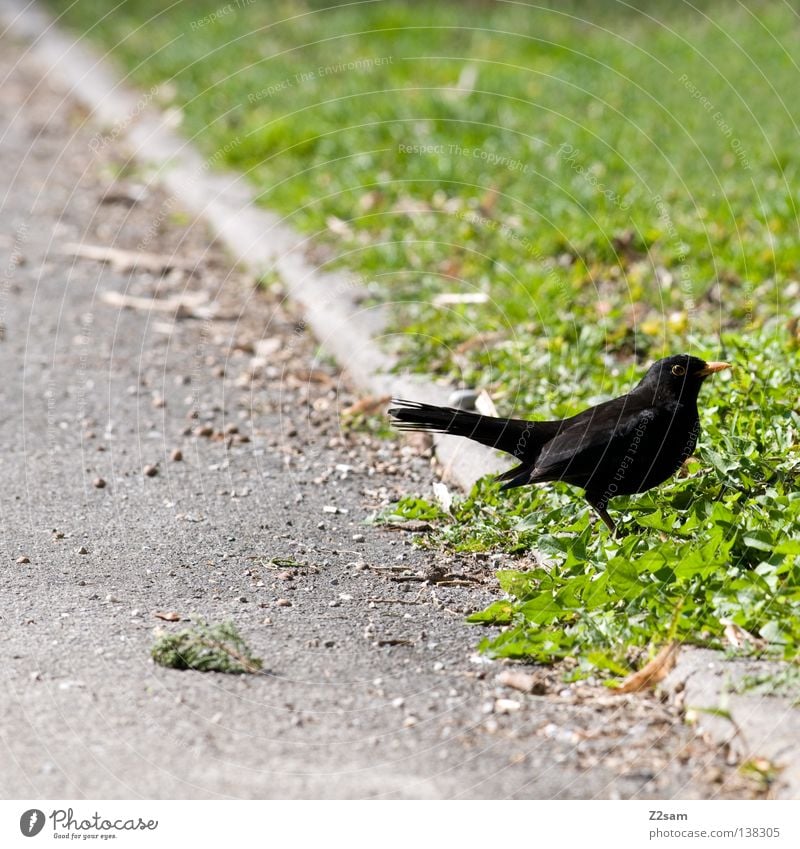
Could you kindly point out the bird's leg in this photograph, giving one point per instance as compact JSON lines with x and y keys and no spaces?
{"x":598,"y":504}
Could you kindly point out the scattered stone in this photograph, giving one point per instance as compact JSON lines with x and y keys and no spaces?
{"x":150,"y":471}
{"x":82,"y":550}
{"x":410,"y":721}
{"x":507,"y":706}
{"x":99,"y":483}
{"x":283,"y":602}
{"x":523,"y":681}
{"x":204,"y":430}
{"x":23,"y":559}
{"x":358,"y":537}
{"x":176,"y":456}
{"x":398,"y":702}
{"x":463,"y":399}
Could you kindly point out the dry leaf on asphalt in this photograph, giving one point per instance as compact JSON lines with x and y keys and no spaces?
{"x":127,"y":260}
{"x":367,"y":406}
{"x":188,"y":305}
{"x":651,"y":673}
{"x":738,"y":637}
{"x":168,"y":615}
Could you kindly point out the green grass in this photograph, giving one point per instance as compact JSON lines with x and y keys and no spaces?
{"x":620,"y":184}
{"x":720,"y":543}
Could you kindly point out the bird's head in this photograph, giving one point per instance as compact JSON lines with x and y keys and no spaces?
{"x":679,"y":377}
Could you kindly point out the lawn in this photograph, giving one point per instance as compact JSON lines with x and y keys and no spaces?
{"x":613,"y":184}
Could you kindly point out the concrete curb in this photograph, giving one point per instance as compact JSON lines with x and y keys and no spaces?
{"x":261,"y":241}
{"x":756,"y":726}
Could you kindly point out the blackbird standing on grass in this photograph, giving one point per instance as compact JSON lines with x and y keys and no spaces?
{"x":619,"y":447}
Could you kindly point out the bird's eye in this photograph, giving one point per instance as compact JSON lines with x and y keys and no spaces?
{"x":678,"y":371}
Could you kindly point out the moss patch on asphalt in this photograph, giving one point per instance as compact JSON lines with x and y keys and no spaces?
{"x":206,"y":647}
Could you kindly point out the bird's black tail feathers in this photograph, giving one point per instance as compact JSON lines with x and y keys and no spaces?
{"x":522,"y":439}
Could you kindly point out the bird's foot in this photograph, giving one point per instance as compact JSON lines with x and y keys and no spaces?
{"x":629,"y":529}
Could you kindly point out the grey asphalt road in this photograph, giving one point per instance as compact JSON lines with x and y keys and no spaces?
{"x":373,"y":687}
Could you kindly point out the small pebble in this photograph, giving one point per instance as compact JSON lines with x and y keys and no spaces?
{"x":358,"y":537}
{"x":23,"y":559}
{"x":204,"y":430}
{"x":507,"y":706}
{"x":150,"y":471}
{"x":176,"y":456}
{"x":410,"y":722}
{"x":283,"y":602}
{"x":99,"y":483}
{"x":82,"y":550}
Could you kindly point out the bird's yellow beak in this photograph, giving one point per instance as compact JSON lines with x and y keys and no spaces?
{"x":711,"y":368}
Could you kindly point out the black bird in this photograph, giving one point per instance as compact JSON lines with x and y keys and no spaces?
{"x":619,"y":447}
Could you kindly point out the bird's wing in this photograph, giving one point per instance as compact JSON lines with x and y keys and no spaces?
{"x":594,"y":435}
